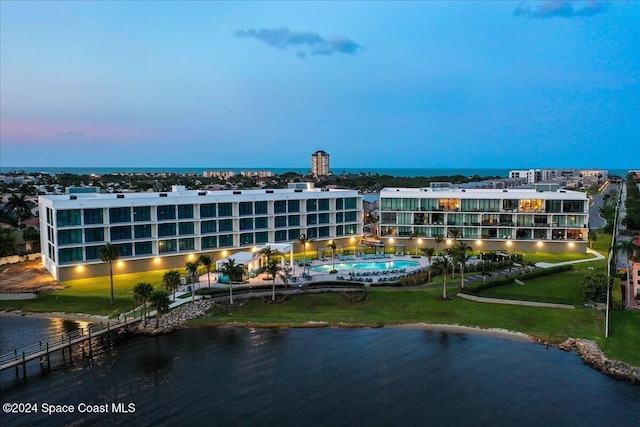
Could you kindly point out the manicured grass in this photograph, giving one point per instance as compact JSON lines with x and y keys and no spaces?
{"x":624,"y":336}
{"x":413,"y":306}
{"x":535,"y":257}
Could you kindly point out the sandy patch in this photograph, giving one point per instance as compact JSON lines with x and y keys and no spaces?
{"x":28,"y":276}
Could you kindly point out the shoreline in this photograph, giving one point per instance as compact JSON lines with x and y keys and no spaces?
{"x":81,"y":317}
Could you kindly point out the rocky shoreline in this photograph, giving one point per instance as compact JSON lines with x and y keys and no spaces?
{"x":592,"y":356}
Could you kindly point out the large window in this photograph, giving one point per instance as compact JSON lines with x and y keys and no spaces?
{"x":225,"y":209}
{"x":246,"y":224}
{"x":142,"y":231}
{"x":573,"y":206}
{"x":94,"y":234}
{"x":531,"y":205}
{"x":225,"y":225}
{"x":281,"y":235}
{"x":117,"y":215}
{"x":225,"y":240}
{"x":262,"y":237}
{"x":166,"y":230}
{"x":350,"y":229}
{"x":208,"y":227}
{"x":246,"y":238}
{"x":261,"y":222}
{"x":186,"y":244}
{"x":166,"y":212}
{"x":352,"y":216}
{"x":351,"y":203}
{"x":260,"y":208}
{"x":294,"y":220}
{"x":92,"y":252}
{"x":185,"y":228}
{"x":66,"y":237}
{"x":165,"y":246}
{"x":125,"y":249}
{"x":324,"y":218}
{"x":121,"y":233}
{"x":185,"y":211}
{"x":209,"y":242}
{"x":449,"y":204}
{"x":294,"y":233}
{"x":70,"y":255}
{"x":280,"y":206}
{"x":142,"y":213}
{"x":323,"y":204}
{"x":281,"y":221}
{"x":93,"y":216}
{"x":208,"y":210}
{"x":143,"y":248}
{"x":324,"y":232}
{"x":246,"y":208}
{"x":293,"y":205}
{"x":69,"y":217}
{"x":312,"y":219}
{"x":553,"y":206}
{"x":312,"y":232}
{"x":312,"y":205}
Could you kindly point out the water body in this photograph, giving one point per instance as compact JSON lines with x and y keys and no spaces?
{"x":330,"y":377}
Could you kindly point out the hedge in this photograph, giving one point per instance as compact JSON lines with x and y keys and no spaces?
{"x":540,"y":272}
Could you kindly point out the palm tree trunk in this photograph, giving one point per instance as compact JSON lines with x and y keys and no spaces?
{"x":461,"y":276}
{"x":230,"y":293}
{"x":273,"y":289}
{"x":111,"y":277}
{"x":444,"y":286}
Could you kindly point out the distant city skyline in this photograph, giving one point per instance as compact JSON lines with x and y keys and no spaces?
{"x":516,"y":85}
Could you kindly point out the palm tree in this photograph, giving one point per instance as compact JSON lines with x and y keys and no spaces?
{"x":207,"y":262}
{"x":455,"y":233}
{"x":460,"y":257}
{"x":19,"y":206}
{"x":442,"y":265}
{"x":303,"y":241}
{"x":429,"y":252}
{"x":141,"y":293}
{"x":232,"y":270}
{"x":592,"y":236}
{"x":191,"y":268}
{"x":160,"y":302}
{"x":438,"y":240}
{"x":332,"y":247}
{"x":275,"y":271}
{"x":171,"y":281}
{"x":110,"y":253}
{"x":373,"y":222}
{"x":629,"y":248}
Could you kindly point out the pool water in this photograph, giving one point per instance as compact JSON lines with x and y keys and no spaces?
{"x":379,"y":265}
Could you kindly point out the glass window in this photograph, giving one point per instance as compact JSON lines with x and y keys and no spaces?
{"x":125,"y":249}
{"x":246,"y":224}
{"x":225,"y":209}
{"x":531,"y":205}
{"x":280,"y":206}
{"x":261,"y":222}
{"x":246,"y":208}
{"x":293,"y":206}
{"x":185,"y":211}
{"x":324,"y":218}
{"x":142,"y":213}
{"x":166,"y":229}
{"x":323,"y":231}
{"x":143,"y":248}
{"x":294,"y":220}
{"x":208,"y":210}
{"x":70,"y":255}
{"x":120,"y":233}
{"x":350,"y":203}
{"x":185,"y":228}
{"x":186,"y":244}
{"x":388,"y":217}
{"x":92,"y":252}
{"x":312,"y":232}
{"x":312,"y":205}
{"x":281,"y":235}
{"x":323,"y":204}
{"x":49,"y":216}
{"x":94,"y":234}
{"x":339,"y":230}
{"x":262,"y":237}
{"x":339,"y":217}
{"x":246,"y":238}
{"x":350,"y":229}
{"x":553,"y":206}
{"x":339,"y":203}
{"x":294,"y":233}
{"x":449,"y":204}
{"x":428,"y":204}
{"x":93,"y":216}
{"x":260,"y":208}
{"x":352,"y":216}
{"x":66,"y":237}
{"x":573,"y":206}
{"x":209,"y":242}
{"x":312,"y":219}
{"x":167,"y":246}
{"x":117,"y":215}
{"x":141,"y":231}
{"x":166,"y":212}
{"x":510,"y":205}
{"x":67,"y":217}
{"x":281,"y":221}
{"x":225,"y":240}
{"x":225,"y":225}
{"x":208,"y":227}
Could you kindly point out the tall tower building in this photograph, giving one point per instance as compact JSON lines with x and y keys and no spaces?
{"x":320,"y":163}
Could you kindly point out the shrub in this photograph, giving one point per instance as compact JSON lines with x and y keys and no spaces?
{"x":540,"y":272}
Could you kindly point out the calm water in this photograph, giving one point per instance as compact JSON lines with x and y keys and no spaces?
{"x":330,"y":377}
{"x":379,"y":265}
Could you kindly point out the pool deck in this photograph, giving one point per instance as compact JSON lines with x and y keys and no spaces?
{"x":299,"y":275}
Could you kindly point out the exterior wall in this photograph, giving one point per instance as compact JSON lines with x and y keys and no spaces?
{"x":525,"y":220}
{"x":320,"y":163}
{"x":635,"y":277}
{"x":171,"y":227}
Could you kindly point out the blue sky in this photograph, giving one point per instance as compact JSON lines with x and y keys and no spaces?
{"x":493,"y":84}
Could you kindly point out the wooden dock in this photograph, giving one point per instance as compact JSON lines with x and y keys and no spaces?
{"x":43,"y":349}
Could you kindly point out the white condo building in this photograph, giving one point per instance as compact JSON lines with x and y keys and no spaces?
{"x":537,"y":219}
{"x":165,"y":230}
{"x":320,"y":163}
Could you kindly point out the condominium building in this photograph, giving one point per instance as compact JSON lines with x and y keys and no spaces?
{"x":536,"y":219}
{"x":320,"y":163}
{"x":165,"y":230}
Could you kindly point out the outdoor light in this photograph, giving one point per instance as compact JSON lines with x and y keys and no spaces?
{"x":191,"y":257}
{"x":80,"y":268}
{"x":539,"y":243}
{"x":120,"y":263}
{"x":448,"y":241}
{"x":156,"y":260}
{"x":509,"y":243}
{"x":571,"y":244}
{"x":224,"y":253}
{"x":479,"y":242}
{"x":391,"y":240}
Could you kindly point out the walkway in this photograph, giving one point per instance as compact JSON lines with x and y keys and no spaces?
{"x":598,"y":256}
{"x":515,"y":302}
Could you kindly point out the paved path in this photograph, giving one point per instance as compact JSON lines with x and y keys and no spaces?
{"x":515,"y":302}
{"x":598,"y":256}
{"x":18,"y":296}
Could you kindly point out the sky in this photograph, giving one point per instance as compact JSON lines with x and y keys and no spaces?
{"x":434,"y":84}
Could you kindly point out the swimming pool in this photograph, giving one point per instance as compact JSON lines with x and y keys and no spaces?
{"x":380,"y":265}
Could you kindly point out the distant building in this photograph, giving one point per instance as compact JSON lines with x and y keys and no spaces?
{"x":257,"y":174}
{"x":320,"y":163}
{"x":219,"y":174}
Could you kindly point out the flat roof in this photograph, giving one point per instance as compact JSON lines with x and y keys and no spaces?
{"x":481,"y":193}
